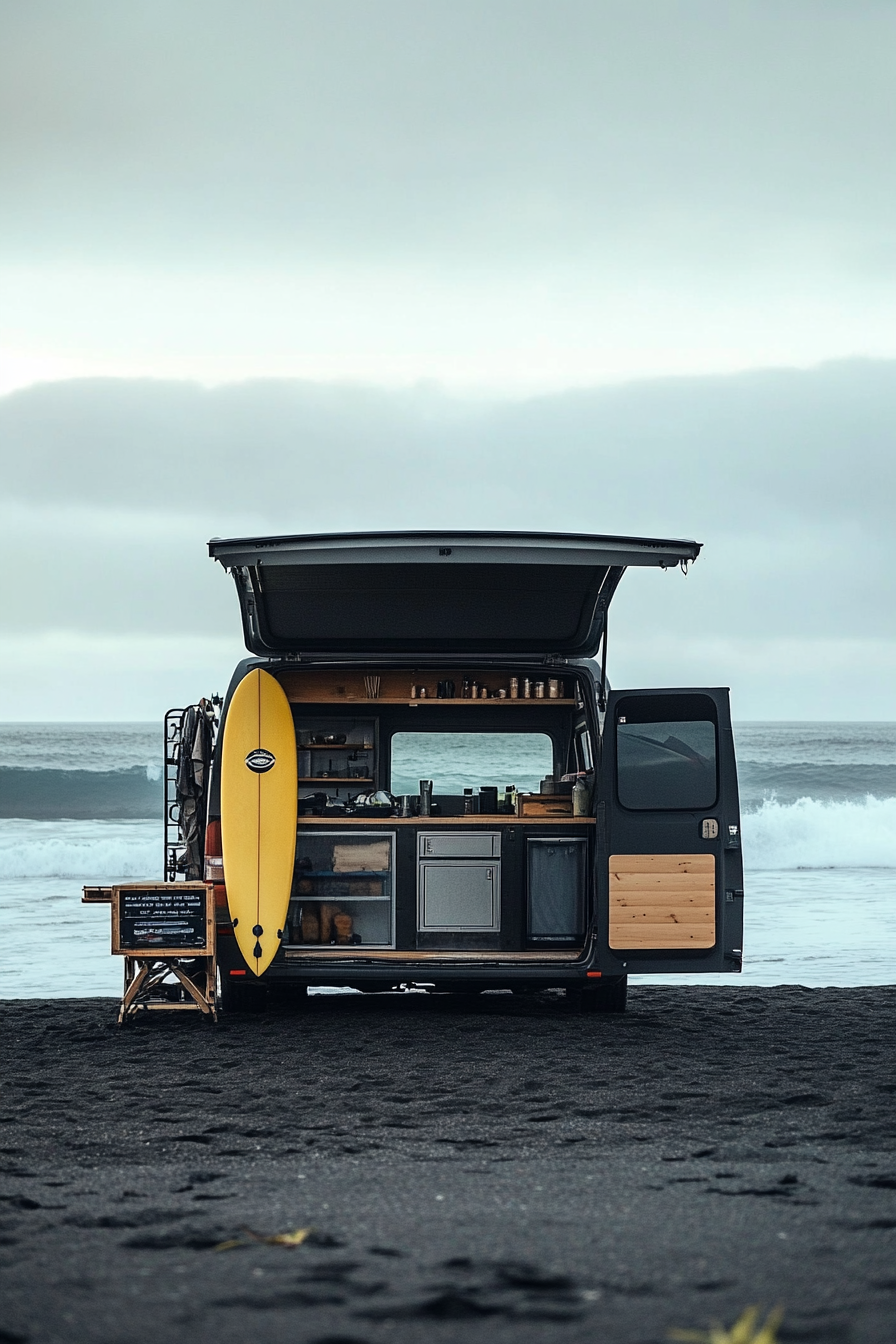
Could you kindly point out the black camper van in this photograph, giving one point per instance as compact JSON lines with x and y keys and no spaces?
{"x":474,"y":808}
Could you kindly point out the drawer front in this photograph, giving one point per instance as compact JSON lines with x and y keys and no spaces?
{"x":459,"y":896}
{"x":459,"y":845}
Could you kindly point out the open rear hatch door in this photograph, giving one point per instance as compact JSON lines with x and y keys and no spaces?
{"x":500,"y":594}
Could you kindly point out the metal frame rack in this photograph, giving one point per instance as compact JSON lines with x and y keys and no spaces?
{"x":173,"y":723}
{"x":173,"y":842}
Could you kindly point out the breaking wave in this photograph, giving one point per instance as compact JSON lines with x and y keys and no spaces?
{"x":807,"y":833}
{"x":93,"y":851}
{"x":44,"y":794}
{"x":810,"y":833}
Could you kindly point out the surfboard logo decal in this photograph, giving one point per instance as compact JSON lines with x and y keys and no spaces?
{"x":261,"y":760}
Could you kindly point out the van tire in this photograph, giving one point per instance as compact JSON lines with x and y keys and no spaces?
{"x":610,"y":996}
{"x":243,"y":998}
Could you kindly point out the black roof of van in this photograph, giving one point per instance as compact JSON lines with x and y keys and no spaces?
{"x":522,"y":594}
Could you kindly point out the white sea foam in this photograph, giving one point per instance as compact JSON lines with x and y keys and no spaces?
{"x":809,"y":833}
{"x":94,"y":851}
{"x":782,"y":836}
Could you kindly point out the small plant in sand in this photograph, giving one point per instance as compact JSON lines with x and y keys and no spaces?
{"x":250,"y":1238}
{"x":745,"y":1330}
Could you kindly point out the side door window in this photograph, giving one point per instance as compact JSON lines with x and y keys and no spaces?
{"x":666,"y":763}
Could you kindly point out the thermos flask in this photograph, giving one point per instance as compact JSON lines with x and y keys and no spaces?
{"x":426,"y":798}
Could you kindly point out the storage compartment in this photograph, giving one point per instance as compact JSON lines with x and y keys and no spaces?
{"x":343,"y":890}
{"x":459,"y":845}
{"x":535,"y":805}
{"x":336,"y":757}
{"x":459,"y":895}
{"x":557,"y":873}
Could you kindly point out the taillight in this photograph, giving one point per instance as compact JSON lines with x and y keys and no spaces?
{"x":214,"y":856}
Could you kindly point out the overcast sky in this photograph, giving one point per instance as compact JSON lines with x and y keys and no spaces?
{"x":490,"y":193}
{"x":596,"y":266}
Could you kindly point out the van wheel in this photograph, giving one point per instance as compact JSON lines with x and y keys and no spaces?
{"x":610,"y":996}
{"x":243,"y":998}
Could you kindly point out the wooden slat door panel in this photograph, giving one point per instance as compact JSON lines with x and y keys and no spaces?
{"x":662,"y":900}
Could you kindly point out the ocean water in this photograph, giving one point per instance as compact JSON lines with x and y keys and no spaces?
{"x":83,"y":803}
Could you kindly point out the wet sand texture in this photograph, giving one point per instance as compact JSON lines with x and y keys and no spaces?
{"x":493,"y":1168}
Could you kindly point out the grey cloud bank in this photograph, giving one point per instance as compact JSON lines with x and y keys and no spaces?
{"x":487,"y":128}
{"x":112,"y":488}
{"x":510,"y":195}
{"x":525,"y":193}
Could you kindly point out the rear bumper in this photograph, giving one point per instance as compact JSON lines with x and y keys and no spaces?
{"x":448,"y":971}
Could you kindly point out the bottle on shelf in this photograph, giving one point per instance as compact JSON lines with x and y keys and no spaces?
{"x":581,"y":797}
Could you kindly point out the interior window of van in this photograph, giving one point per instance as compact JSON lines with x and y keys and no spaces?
{"x":458,"y":761}
{"x":666,"y":765}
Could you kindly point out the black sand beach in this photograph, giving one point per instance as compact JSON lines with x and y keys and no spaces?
{"x":491,"y":1168}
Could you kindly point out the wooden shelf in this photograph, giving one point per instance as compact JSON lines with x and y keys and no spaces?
{"x":351,"y":950}
{"x":329,"y":872}
{"x":297,"y":951}
{"x":342,"y":900}
{"x":433,"y":700}
{"x":332,"y":746}
{"x":347,"y":687}
{"x":459,"y":823}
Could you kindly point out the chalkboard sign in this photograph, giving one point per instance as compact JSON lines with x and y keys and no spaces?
{"x":165,"y":919}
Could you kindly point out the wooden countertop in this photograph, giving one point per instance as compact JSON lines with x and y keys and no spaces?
{"x":458,"y":822}
{"x":532,"y":701}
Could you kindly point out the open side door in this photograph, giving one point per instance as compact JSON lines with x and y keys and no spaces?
{"x":669,"y":875}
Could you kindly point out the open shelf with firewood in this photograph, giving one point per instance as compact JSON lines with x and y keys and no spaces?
{"x":343,"y":890}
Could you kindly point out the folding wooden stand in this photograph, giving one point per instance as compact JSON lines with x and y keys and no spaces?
{"x":166,"y":932}
{"x":144,"y":980}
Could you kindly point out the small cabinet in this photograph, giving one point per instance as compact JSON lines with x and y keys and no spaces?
{"x":459,"y":882}
{"x":343,"y":890}
{"x":336,"y":757}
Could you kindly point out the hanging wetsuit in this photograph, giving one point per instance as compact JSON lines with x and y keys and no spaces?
{"x":194,"y":760}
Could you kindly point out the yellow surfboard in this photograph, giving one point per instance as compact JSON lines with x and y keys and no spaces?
{"x":259,"y":801}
